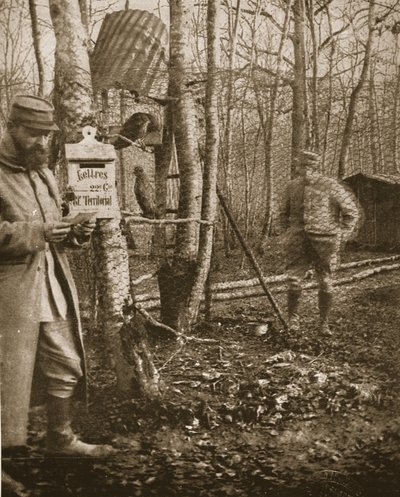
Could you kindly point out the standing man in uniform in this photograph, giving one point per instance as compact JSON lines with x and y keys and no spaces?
{"x":320,"y":215}
{"x":40,"y":329}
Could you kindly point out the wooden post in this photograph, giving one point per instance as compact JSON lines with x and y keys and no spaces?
{"x":251,"y":257}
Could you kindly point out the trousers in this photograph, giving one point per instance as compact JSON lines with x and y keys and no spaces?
{"x":58,"y":357}
{"x":305,"y":251}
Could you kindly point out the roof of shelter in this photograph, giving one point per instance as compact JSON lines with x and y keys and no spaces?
{"x":389,"y":179}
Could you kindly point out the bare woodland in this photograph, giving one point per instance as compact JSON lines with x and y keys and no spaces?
{"x":250,"y":83}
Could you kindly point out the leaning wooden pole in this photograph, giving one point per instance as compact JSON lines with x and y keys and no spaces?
{"x":247,"y":250}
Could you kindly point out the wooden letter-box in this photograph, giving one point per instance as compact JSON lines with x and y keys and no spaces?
{"x":91,"y":176}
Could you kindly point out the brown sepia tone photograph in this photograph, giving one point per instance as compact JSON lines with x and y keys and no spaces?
{"x":200,"y":248}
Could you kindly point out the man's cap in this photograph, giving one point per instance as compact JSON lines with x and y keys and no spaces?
{"x":308,"y":158}
{"x":33,"y":112}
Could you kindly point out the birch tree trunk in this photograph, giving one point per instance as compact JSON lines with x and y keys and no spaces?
{"x":209,"y":207}
{"x":75,"y":108}
{"x":176,"y":280}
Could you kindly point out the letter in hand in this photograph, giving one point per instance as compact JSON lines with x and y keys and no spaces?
{"x":56,"y":232}
{"x":85,"y":229}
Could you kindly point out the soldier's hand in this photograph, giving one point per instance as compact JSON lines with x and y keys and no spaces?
{"x":56,"y":232}
{"x":85,"y":229}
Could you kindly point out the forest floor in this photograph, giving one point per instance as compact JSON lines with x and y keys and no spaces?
{"x":248,"y":415}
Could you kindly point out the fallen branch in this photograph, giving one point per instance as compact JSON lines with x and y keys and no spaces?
{"x":144,"y":277}
{"x":184,"y":338}
{"x":368,"y":272}
{"x":143,"y":220}
{"x":149,"y":318}
{"x":152,"y":302}
{"x":280,"y":278}
{"x":369,"y":262}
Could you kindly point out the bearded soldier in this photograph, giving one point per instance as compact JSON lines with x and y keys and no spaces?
{"x":41,"y":341}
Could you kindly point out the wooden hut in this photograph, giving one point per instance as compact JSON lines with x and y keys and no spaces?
{"x":379,"y":197}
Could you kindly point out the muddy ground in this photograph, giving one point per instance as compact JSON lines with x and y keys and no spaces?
{"x":248,"y":415}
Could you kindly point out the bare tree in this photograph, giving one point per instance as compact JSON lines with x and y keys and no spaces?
{"x":36,"y":45}
{"x":269,"y":132}
{"x":300,"y":120}
{"x":75,"y":109}
{"x":176,"y":280}
{"x":17,"y":69}
{"x":209,"y":204}
{"x":347,"y":133}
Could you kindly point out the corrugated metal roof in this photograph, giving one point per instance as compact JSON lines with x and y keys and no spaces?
{"x":130,"y":52}
{"x":390,"y":179}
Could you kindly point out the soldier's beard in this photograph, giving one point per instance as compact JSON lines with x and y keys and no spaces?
{"x":34,"y":157}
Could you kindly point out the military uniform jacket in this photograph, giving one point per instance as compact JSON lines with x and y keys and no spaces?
{"x":321,"y":206}
{"x":22,"y":261}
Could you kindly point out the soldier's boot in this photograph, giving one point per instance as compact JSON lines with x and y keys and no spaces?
{"x":325,"y":300}
{"x":293,"y":309}
{"x":61,"y":440}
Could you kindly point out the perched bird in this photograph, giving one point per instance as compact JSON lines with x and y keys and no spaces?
{"x":136,"y":128}
{"x":144,"y":193}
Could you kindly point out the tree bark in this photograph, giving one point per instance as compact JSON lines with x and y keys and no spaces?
{"x":162,"y":157}
{"x":314,"y":135}
{"x":36,"y":46}
{"x":176,"y":280}
{"x":299,"y":85}
{"x":228,"y":131}
{"x":348,"y":129}
{"x":209,"y":207}
{"x":269,"y":133}
{"x":372,"y":113}
{"x":75,"y":109}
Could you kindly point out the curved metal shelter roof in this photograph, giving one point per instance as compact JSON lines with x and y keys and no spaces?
{"x":130,"y":53}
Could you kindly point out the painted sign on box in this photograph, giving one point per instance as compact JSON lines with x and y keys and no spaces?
{"x":91,"y":176}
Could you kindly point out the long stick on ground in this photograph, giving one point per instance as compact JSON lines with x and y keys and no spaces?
{"x":250,"y":255}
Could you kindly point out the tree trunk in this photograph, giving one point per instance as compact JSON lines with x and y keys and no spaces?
{"x":209,"y":207}
{"x":299,"y":87}
{"x":395,"y":114}
{"x":75,"y":109}
{"x":176,"y":280}
{"x":328,"y":112}
{"x":228,"y":123}
{"x":36,"y":46}
{"x":372,"y":111}
{"x":314,"y":98}
{"x":134,"y":336}
{"x":269,"y":134}
{"x":344,"y":151}
{"x":162,"y":157}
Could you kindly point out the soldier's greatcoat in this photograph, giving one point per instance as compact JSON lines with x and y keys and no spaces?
{"x":22,"y":262}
